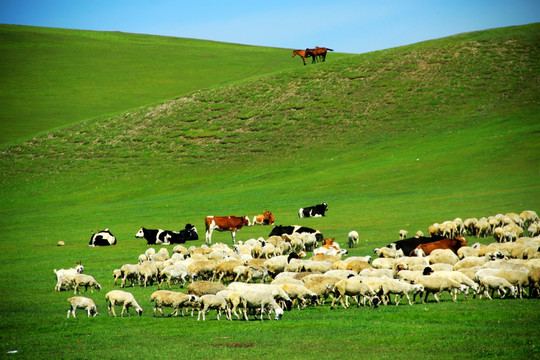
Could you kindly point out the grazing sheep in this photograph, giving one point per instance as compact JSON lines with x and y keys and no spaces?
{"x":204,"y":269}
{"x":64,"y":276}
{"x":211,"y":301}
{"x":370,"y":272}
{"x":255,"y":273}
{"x":321,"y":285}
{"x":117,"y":274}
{"x":385,"y":252}
{"x":458,"y":277}
{"x":201,"y":288}
{"x":357,"y":266}
{"x":400,"y":288}
{"x":175,"y":272}
{"x":518,"y":278}
{"x":436,"y":285}
{"x":148,"y":272}
{"x":445,"y":256}
{"x":86,"y":281}
{"x":316,"y":266}
{"x":226,"y":269}
{"x":278,"y":264}
{"x":81,"y":302}
{"x":409,"y":276}
{"x":496,"y":283}
{"x":180,"y":249}
{"x":169,"y":299}
{"x":299,"y":293}
{"x":127,"y":300}
{"x":353,"y":238}
{"x":234,"y":299}
{"x":472,"y":261}
{"x":384,"y":263}
{"x":356,"y":288}
{"x":129,"y":272}
{"x":534,"y":283}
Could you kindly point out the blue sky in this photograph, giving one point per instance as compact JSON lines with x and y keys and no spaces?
{"x":344,"y":25}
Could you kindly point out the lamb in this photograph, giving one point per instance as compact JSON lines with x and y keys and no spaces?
{"x":496,"y":283}
{"x":436,"y":285}
{"x":356,"y":288}
{"x":299,"y":293}
{"x":86,"y":281}
{"x":201,"y":288}
{"x":210,"y":301}
{"x":388,"y":253}
{"x":64,"y":276}
{"x":169,"y":299}
{"x":124,"y":298}
{"x":353,"y":238}
{"x":81,"y":302}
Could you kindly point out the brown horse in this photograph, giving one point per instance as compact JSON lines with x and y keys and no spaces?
{"x":302,"y":53}
{"x":319,"y":53}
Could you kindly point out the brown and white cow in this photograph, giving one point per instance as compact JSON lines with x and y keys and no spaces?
{"x":224,"y":223}
{"x":452,"y":244}
{"x":267,"y":218}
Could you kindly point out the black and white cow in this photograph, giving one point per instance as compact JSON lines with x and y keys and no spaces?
{"x":153,"y":236}
{"x":102,"y":238}
{"x":188,"y":233}
{"x":280,"y":230}
{"x":313,"y":211}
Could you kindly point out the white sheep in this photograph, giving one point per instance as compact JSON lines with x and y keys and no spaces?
{"x":385,"y":252}
{"x":129,"y":272}
{"x":64,"y":276}
{"x":353,"y":238}
{"x":278,"y":264}
{"x":117,"y":274}
{"x":256,"y":273}
{"x":127,"y":300}
{"x":234,"y":300}
{"x":86,"y":281}
{"x":210,"y":301}
{"x":169,"y":299}
{"x":403,"y":234}
{"x":81,"y":302}
{"x":201,"y":288}
{"x":400,"y":288}
{"x":356,"y":288}
{"x":316,"y":266}
{"x":148,"y":272}
{"x":366,"y":258}
{"x":458,"y":277}
{"x":384,"y":263}
{"x":204,"y":269}
{"x":445,"y":256}
{"x":518,"y":278}
{"x":436,"y":285}
{"x":260,"y":299}
{"x":370,"y":272}
{"x":299,"y":293}
{"x":175,"y":272}
{"x":496,"y":283}
{"x":321,"y":285}
{"x":226,"y":269}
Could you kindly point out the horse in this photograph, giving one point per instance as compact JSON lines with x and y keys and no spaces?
{"x":318,"y":53}
{"x":302,"y":54}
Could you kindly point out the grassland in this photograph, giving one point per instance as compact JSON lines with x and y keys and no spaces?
{"x":393,"y":139}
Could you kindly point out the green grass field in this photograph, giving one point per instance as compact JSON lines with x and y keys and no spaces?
{"x":395,"y":139}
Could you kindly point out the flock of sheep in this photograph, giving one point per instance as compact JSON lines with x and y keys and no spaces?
{"x":265,"y":276}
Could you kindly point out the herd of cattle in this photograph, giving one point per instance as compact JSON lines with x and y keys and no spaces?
{"x":227,"y":278}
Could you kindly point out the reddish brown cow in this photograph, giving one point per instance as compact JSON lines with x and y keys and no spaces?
{"x":224,"y":223}
{"x":267,"y":218}
{"x":452,"y":244}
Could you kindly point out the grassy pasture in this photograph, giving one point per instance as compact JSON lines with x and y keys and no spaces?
{"x":394,"y":139}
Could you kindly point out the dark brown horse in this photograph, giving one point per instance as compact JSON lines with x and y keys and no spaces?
{"x":319,"y":53}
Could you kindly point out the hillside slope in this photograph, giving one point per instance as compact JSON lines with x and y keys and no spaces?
{"x":53,"y":77}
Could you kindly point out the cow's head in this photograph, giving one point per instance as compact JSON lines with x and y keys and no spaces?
{"x":246,"y":221}
{"x":140,"y":233}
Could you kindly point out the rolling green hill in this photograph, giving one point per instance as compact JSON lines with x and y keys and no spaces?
{"x":54,"y":77}
{"x":394,"y":139}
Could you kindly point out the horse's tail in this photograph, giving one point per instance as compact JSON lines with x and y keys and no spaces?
{"x":330,"y":49}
